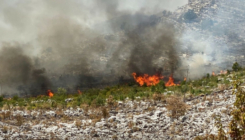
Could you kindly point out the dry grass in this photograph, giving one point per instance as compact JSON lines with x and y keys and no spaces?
{"x":135,"y":129}
{"x":1,"y":116}
{"x":19,"y":120}
{"x":65,"y":118}
{"x":59,"y":112}
{"x":111,"y":102}
{"x":5,"y":129}
{"x":85,"y":108}
{"x":105,"y":113}
{"x":130,"y":124}
{"x":114,"y":137}
{"x":97,"y":119}
{"x":176,"y":106}
{"x":222,"y":86}
{"x":201,"y":109}
{"x":151,"y":108}
{"x":45,"y":106}
{"x":5,"y":115}
{"x":78,"y":123}
{"x":204,"y":98}
{"x":158,"y":97}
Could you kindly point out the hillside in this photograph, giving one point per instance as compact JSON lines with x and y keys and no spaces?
{"x":93,"y":95}
{"x":144,"y":114}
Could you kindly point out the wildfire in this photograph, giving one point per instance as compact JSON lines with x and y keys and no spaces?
{"x":185,"y":79}
{"x":50,"y":93}
{"x":170,"y":82}
{"x":79,"y":92}
{"x":223,"y":72}
{"x":213,"y":73}
{"x":146,"y":79}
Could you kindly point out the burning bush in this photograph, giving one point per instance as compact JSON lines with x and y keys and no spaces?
{"x":153,"y":80}
{"x":147,"y":80}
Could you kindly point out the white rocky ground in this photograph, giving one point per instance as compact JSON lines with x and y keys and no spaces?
{"x":131,"y":120}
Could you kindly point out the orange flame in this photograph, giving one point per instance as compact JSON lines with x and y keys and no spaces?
{"x":170,"y":82}
{"x":185,"y":79}
{"x":223,"y":72}
{"x":50,"y":93}
{"x":79,"y":92}
{"x":213,"y":73}
{"x":146,"y":79}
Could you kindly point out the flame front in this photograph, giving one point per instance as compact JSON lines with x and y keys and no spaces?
{"x":223,"y":72}
{"x":146,"y":79}
{"x":50,"y":93}
{"x":79,"y":92}
{"x":170,"y":82}
{"x":213,"y":73}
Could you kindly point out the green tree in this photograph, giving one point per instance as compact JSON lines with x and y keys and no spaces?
{"x":208,"y":75}
{"x":236,"y":67}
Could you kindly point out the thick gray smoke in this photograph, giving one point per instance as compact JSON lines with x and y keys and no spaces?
{"x":18,"y":71}
{"x":145,"y":46}
{"x":74,"y":43}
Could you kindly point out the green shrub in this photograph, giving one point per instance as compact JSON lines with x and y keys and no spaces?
{"x":15,"y":97}
{"x":208,"y":76}
{"x":121,"y":97}
{"x":238,"y":113}
{"x":184,"y":88}
{"x":98,"y":101}
{"x":153,"y":89}
{"x":197,"y":83}
{"x":228,"y":71}
{"x":61,"y":91}
{"x":1,"y":98}
{"x":236,"y":67}
{"x":132,"y":96}
{"x":21,"y":103}
{"x":241,"y":74}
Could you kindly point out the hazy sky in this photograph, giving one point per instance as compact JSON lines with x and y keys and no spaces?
{"x":22,"y":20}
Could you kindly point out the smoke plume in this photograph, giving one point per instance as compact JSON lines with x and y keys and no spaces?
{"x":18,"y":71}
{"x":78,"y":43}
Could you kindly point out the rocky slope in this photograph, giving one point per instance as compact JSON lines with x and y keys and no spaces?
{"x":128,"y":120}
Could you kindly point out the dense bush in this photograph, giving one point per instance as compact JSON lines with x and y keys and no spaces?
{"x":236,"y":67}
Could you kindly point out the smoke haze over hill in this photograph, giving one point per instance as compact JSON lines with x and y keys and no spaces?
{"x":81,"y":42}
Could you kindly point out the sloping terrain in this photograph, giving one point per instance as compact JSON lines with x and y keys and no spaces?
{"x":138,"y":119}
{"x":149,"y":116}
